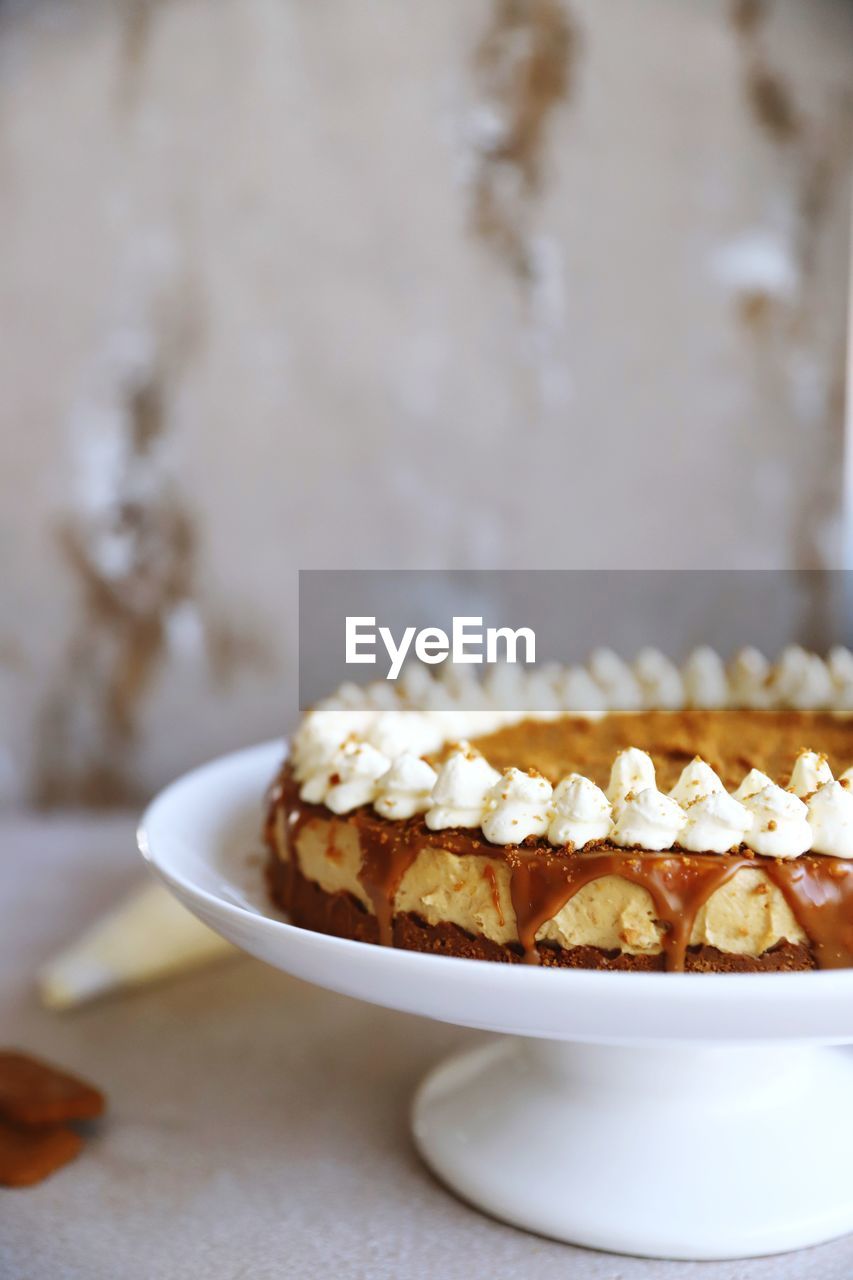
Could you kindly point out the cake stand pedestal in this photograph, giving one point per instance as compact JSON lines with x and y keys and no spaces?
{"x":692,"y":1153}
{"x":670,"y":1115}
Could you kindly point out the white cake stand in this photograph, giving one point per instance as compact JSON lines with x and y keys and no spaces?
{"x":669,"y":1115}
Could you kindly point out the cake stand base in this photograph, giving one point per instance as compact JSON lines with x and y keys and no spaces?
{"x":689,"y":1153}
{"x":676,"y":1152}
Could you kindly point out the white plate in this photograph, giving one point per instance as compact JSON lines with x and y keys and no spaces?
{"x":719,"y":1119}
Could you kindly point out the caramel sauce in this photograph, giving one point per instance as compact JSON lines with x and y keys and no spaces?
{"x":542,"y":883}
{"x":819,"y":890}
{"x":333,"y":853}
{"x":492,"y":880}
{"x":385,"y":858}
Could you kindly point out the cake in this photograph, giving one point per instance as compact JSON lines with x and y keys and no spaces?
{"x":629,"y":817}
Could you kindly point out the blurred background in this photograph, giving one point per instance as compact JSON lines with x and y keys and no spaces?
{"x":514,"y":283}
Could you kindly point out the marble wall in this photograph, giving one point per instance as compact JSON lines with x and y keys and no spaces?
{"x":514,"y":283}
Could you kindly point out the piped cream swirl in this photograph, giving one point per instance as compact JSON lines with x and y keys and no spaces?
{"x":459,"y":795}
{"x":748,"y":676}
{"x":780,"y":826}
{"x":647,"y":819}
{"x":632,"y":771}
{"x":348,"y":780}
{"x":810,"y":772}
{"x":621,"y":687}
{"x":831,"y":820}
{"x":660,"y":679}
{"x":715,"y":823}
{"x":517,"y":806}
{"x":580,"y":812}
{"x":705,"y":682}
{"x":698,"y":780}
{"x":406,"y":789}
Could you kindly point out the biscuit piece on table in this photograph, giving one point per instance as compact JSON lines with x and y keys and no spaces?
{"x":34,"y":1093}
{"x":30,"y":1155}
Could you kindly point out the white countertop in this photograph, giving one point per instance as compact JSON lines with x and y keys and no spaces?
{"x":257,"y":1127}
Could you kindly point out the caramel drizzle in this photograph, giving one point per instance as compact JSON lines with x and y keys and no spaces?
{"x":385,"y":858}
{"x":492,"y":881}
{"x":541,"y":885}
{"x":819,"y":890}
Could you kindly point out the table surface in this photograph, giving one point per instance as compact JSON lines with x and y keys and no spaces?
{"x":257,"y":1126}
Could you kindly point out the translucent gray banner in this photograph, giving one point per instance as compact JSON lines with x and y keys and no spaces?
{"x":396,"y":616}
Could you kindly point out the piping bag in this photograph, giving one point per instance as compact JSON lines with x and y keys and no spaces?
{"x":146,"y":937}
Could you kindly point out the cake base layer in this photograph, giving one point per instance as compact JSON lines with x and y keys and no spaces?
{"x":343,"y":916}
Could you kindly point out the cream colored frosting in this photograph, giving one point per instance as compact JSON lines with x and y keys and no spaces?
{"x":839,"y":663}
{"x":801,"y":680}
{"x":752,"y":783}
{"x":660,"y":679}
{"x":459,"y":794}
{"x":397,"y":732}
{"x":621,"y":687}
{"x":463,"y":689}
{"x":321,"y":735}
{"x":580,"y":812}
{"x":831,"y":820}
{"x":647,"y":819}
{"x":542,"y":696}
{"x":580,"y":694}
{"x":748,"y":676}
{"x":780,"y":828}
{"x":810,"y":772}
{"x":406,"y":789}
{"x":705,"y":682}
{"x":415,"y":685}
{"x":697,"y":780}
{"x":349,"y":780}
{"x":505,"y":685}
{"x":632,"y":771}
{"x":517,"y":806}
{"x":715,"y":823}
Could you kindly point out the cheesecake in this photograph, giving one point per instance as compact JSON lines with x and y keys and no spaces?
{"x":614,"y":816}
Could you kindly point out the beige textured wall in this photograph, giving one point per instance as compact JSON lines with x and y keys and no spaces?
{"x":512,"y":283}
